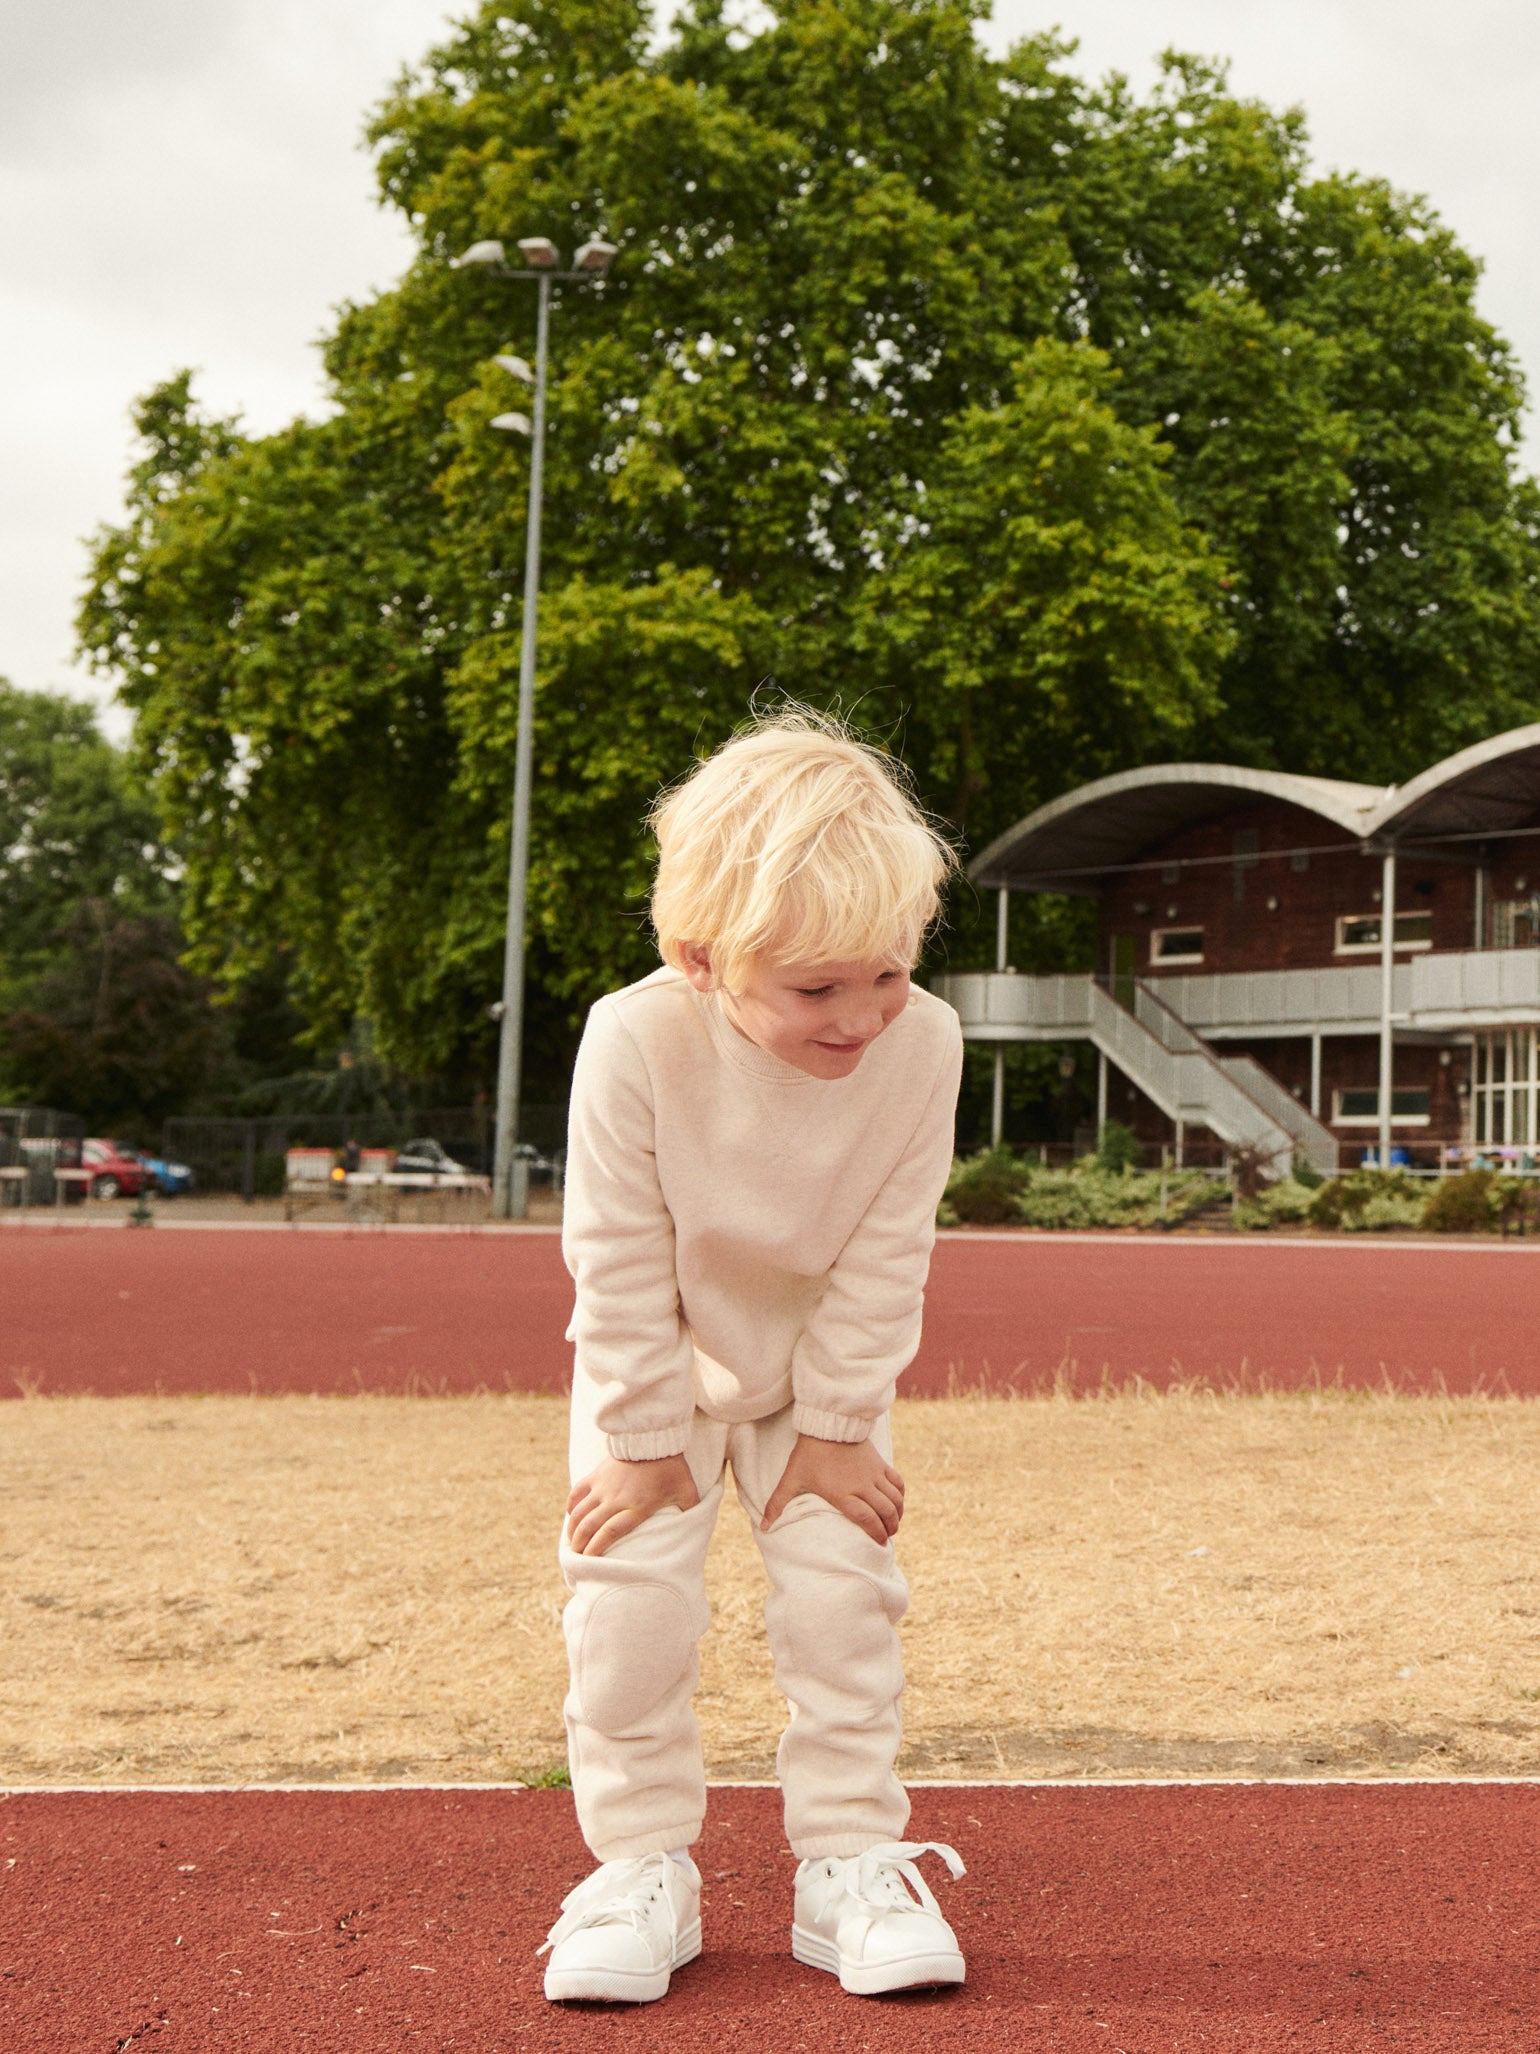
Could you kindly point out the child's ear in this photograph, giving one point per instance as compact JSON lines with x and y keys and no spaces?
{"x":695,"y":962}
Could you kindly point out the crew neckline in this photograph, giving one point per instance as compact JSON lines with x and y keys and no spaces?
{"x":747,"y":1055}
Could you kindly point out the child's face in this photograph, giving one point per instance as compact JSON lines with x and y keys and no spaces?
{"x":819,"y":1017}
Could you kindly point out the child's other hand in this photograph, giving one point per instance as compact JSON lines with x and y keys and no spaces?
{"x":614,"y":1499}
{"x":849,"y":1475}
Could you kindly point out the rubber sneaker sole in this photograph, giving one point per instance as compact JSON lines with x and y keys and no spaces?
{"x":620,"y":1986}
{"x":877,"y":1978}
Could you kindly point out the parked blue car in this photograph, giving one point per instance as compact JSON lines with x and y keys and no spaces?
{"x":172,"y":1180}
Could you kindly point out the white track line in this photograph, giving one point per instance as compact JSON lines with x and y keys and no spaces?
{"x":916,"y":1783}
{"x":362,"y":1228}
{"x":1365,"y":1244}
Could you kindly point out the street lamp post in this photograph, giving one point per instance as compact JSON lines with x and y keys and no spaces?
{"x":543,"y":264}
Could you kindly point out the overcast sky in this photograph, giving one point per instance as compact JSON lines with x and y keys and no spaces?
{"x":181,"y":183}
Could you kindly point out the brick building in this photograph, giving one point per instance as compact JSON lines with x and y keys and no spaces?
{"x":1296,"y":964}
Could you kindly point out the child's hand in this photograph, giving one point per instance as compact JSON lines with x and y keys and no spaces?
{"x":614,"y":1499}
{"x":849,"y":1475}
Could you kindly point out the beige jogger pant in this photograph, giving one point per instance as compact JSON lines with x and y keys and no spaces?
{"x":632,"y":1627}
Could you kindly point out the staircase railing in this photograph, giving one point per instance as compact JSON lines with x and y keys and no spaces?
{"x":1173,"y":1066}
{"x":1315,"y":1142}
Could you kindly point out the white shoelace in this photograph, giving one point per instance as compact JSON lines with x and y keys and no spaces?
{"x":622,"y":1892}
{"x":878,"y":1877}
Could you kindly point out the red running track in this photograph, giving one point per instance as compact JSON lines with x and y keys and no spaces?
{"x":1306,"y":1918}
{"x":183,"y":1309}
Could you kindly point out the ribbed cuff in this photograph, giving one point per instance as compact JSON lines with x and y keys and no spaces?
{"x":654,"y":1447}
{"x":830,"y":1426}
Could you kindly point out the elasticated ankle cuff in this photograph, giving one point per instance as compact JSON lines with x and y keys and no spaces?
{"x":663,"y":1840}
{"x":828,"y":1846}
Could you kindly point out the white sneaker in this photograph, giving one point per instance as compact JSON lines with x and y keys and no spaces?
{"x":624,"y":1930}
{"x":872,"y":1921}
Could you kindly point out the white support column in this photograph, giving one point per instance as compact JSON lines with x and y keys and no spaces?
{"x":1002,"y":962}
{"x":1479,"y":912}
{"x":1387,"y":997}
{"x":1181,"y":1138}
{"x":1101,"y":1093}
{"x":1315,"y":1074}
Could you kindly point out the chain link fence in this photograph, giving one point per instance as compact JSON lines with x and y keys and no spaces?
{"x":247,"y":1156}
{"x":37,"y":1140}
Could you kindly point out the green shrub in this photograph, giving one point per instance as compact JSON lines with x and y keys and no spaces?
{"x":1388,"y":1212}
{"x":1089,"y":1196}
{"x":1467,"y":1204}
{"x":1288,"y":1201}
{"x":1368,"y":1199}
{"x":1518,"y":1205}
{"x":1282,"y":1204}
{"x":983,"y":1189}
{"x":271,"y":1176}
{"x":1306,"y":1173}
{"x":1117,"y":1147}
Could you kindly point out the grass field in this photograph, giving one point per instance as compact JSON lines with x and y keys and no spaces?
{"x":238,"y":1589}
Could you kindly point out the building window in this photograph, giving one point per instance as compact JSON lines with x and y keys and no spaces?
{"x":1176,"y":945}
{"x":1516,"y":923}
{"x":1505,"y":1088}
{"x":1358,"y":934}
{"x":1362,"y":1108}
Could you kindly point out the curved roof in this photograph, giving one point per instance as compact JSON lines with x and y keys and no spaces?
{"x":1488,"y":787}
{"x":1117,"y":818}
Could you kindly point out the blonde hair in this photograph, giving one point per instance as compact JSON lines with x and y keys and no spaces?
{"x":799,"y":844}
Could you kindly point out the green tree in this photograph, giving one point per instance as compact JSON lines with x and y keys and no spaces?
{"x":1045,"y":428}
{"x":116,"y":1029}
{"x":98,"y":1013}
{"x":72,"y":827}
{"x":1051,"y":604}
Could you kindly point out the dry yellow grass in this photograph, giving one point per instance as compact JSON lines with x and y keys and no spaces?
{"x":223,"y":1589}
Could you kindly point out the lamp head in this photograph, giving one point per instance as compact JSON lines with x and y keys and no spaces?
{"x":539,"y":253}
{"x":490,"y":252}
{"x":595,"y":256}
{"x":516,"y":367}
{"x":513,"y":424}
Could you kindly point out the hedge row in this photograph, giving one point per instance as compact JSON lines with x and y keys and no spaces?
{"x":1001,"y":1188}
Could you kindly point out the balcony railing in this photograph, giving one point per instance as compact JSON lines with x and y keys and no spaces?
{"x":1452,"y":989}
{"x":1495,"y":983}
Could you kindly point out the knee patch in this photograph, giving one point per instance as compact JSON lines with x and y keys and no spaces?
{"x":633,"y":1647}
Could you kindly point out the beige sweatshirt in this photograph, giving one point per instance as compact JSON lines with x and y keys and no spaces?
{"x":744,"y":1236}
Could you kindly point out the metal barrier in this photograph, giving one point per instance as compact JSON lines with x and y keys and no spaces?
{"x":247,"y":1157}
{"x":36,"y":1140}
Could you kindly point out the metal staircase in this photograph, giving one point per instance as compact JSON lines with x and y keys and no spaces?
{"x":1234,"y":1097}
{"x":1140,"y":1034}
{"x":1315,"y":1142}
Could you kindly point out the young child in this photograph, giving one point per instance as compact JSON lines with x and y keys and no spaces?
{"x":760,"y":1134}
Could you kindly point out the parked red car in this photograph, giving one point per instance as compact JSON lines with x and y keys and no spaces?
{"x":118,"y":1172}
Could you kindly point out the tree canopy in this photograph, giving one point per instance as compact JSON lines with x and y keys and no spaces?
{"x":97,"y":1012}
{"x":99,"y":1015}
{"x":1044,"y":428}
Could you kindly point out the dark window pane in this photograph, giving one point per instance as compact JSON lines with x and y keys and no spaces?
{"x":1409,"y":1104}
